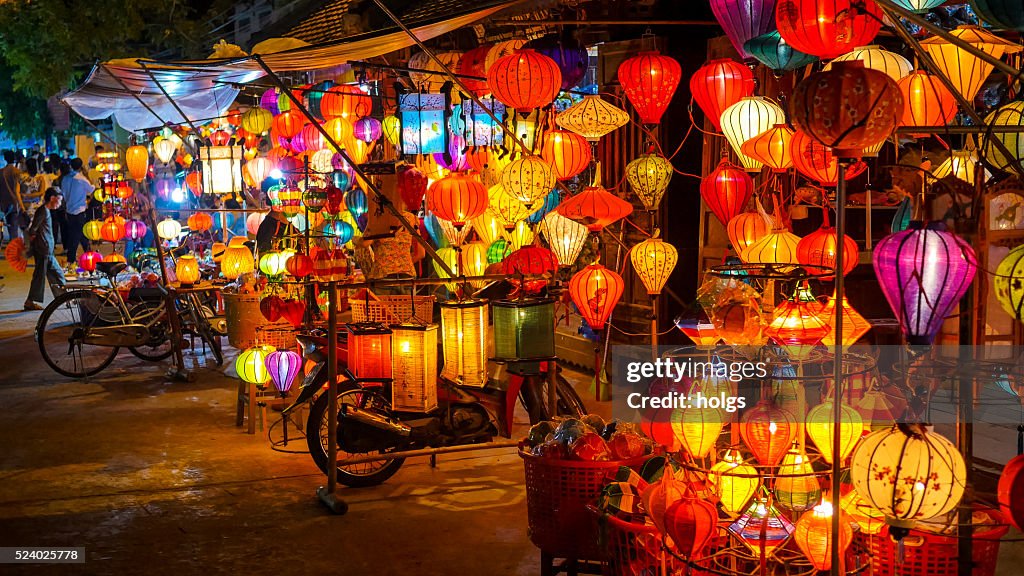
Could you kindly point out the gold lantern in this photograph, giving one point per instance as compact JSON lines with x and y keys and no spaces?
{"x":474,"y":261}
{"x":414,"y":367}
{"x":877,"y":58}
{"x":735,"y":482}
{"x":528,"y":179}
{"x":908,"y":473}
{"x":697,"y":429}
{"x":168,"y":229}
{"x":486,"y":226}
{"x":821,"y":429}
{"x":1010,"y":115}
{"x":746,"y":119}
{"x":506,"y":208}
{"x":592,"y":118}
{"x":251,"y":365}
{"x":137,"y":160}
{"x":854,"y":325}
{"x":520,"y":235}
{"x":869,"y":520}
{"x":648,"y":177}
{"x":777,"y":247}
{"x":369,"y":351}
{"x":966,"y":71}
{"x":464,"y":338}
{"x":449,"y":256}
{"x":187,"y":270}
{"x":92,"y":230}
{"x":961,"y":164}
{"x":222,"y":169}
{"x":746,"y":229}
{"x":653,"y":260}
{"x":237,"y":260}
{"x":796,"y":487}
{"x":565,"y":237}
{"x":813,"y":535}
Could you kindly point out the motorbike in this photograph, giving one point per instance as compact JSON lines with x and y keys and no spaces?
{"x":367,"y":423}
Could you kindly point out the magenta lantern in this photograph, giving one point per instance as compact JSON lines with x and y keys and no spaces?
{"x":368,"y":129}
{"x":457,"y":153}
{"x":134,"y":229}
{"x":923,"y":272}
{"x":283,"y":366}
{"x":744,"y":19}
{"x":268,"y":101}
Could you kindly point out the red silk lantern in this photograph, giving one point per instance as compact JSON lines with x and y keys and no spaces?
{"x":200,"y":222}
{"x":412,"y":186}
{"x":328,"y":265}
{"x":312,"y":139}
{"x":818,"y":163}
{"x":457,"y":198}
{"x":335,"y":200}
{"x":220,"y":137}
{"x":1011,"y":491}
{"x":347,"y":102}
{"x":720,"y":84}
{"x":773,"y":148}
{"x":595,"y":208}
{"x":926,"y":101}
{"x":818,"y":249}
{"x":691,"y":523}
{"x":595,"y":290}
{"x":530,"y":260}
{"x":234,"y":117}
{"x":827,"y":28}
{"x":299,"y":265}
{"x":649,"y":81}
{"x":848,"y":108}
{"x":111,"y":230}
{"x":88,"y":260}
{"x":726,"y":191}
{"x":525,"y":80}
{"x":194,"y":182}
{"x":567,"y":152}
{"x":474,"y":63}
{"x":288,"y":124}
{"x":768,"y":431}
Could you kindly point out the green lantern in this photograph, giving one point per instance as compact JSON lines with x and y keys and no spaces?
{"x":524,"y":329}
{"x":498,"y":251}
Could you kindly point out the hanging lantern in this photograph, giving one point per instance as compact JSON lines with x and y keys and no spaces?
{"x":251,"y":365}
{"x":356,"y":202}
{"x":1010,"y":115}
{"x":498,"y":251}
{"x":1008,"y":283}
{"x":926,"y":101}
{"x":697,"y":429}
{"x":595,"y":208}
{"x":565,"y":237}
{"x":768,"y":432}
{"x":648,"y":176}
{"x":743,"y":20}
{"x":691,"y":523}
{"x":877,"y":58}
{"x":506,"y":208}
{"x":464,"y":341}
{"x":135,"y":230}
{"x":649,"y":81}
{"x":369,"y":351}
{"x":567,"y":153}
{"x":762,"y":528}
{"x":91,"y":230}
{"x":414,"y":367}
{"x":456,"y":159}
{"x":299,"y":265}
{"x":253,"y":222}
{"x":391,"y":127}
{"x":427,"y":82}
{"x":457,"y":197}
{"x":813,"y":535}
{"x":720,"y":84}
{"x":168,"y":229}
{"x":115,"y":257}
{"x":848,"y":108}
{"x":290,"y":198}
{"x":111,"y":230}
{"x":137,"y":160}
{"x":346,"y":102}
{"x":962,"y":164}
{"x":450,"y":234}
{"x":450,"y":257}
{"x":592,"y":118}
{"x":124,"y":191}
{"x":272,"y":263}
{"x":773,"y":148}
{"x":908,"y":474}
{"x":312,"y":139}
{"x":735,"y":482}
{"x":314,"y":199}
{"x":524,"y":329}
{"x":520,"y":235}
{"x":796,"y":325}
{"x":257,"y":120}
{"x":288,"y":124}
{"x":653,"y":260}
{"x":796,"y":487}
{"x":965,"y":71}
{"x":1010,"y":491}
{"x":774,"y":52}
{"x":368,"y":129}
{"x":919,"y":6}
{"x":200,"y":222}
{"x":88,"y":260}
{"x":473,"y":64}
{"x":1001,"y":13}
{"x":329,"y":265}
{"x":531,"y":260}
{"x":827,"y":28}
{"x":854,"y":325}
{"x":726,"y":191}
{"x":525,"y":80}
{"x":283,"y":366}
{"x":595,"y":290}
{"x":237,"y":261}
{"x":821,"y":429}
{"x":335,"y":233}
{"x":166,"y":149}
{"x":570,"y":56}
{"x":923,"y":272}
{"x":818,"y":250}
{"x":187,"y":270}
{"x":815,"y":161}
{"x":528,"y":179}
{"x":474,"y":262}
{"x":749,"y":117}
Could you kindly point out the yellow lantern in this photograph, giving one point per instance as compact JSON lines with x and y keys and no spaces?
{"x":796,"y":487}
{"x":776,"y":247}
{"x":908,"y":474}
{"x":653,"y":260}
{"x":115,"y":257}
{"x":877,"y":58}
{"x":99,"y":195}
{"x":165,"y":150}
{"x":528,"y":179}
{"x":187,"y":270}
{"x":648,"y":177}
{"x":168,"y":229}
{"x":217,"y":251}
{"x":869,"y":520}
{"x":450,"y":257}
{"x":487,"y":227}
{"x":592,"y":118}
{"x":251,"y":365}
{"x":137,"y":159}
{"x":751,"y":116}
{"x":414,"y":367}
{"x":322,"y":161}
{"x":1008,"y":283}
{"x":257,"y":120}
{"x":521,"y":235}
{"x":697,"y":429}
{"x":474,"y":261}
{"x":1009,"y":115}
{"x":237,"y":260}
{"x":464,"y":341}
{"x":961,"y":163}
{"x":507,"y":209}
{"x":92,"y":229}
{"x":813,"y":535}
{"x":966,"y":71}
{"x":565,"y":237}
{"x":734,"y":482}
{"x":821,"y":429}
{"x":272,"y":263}
{"x":746,"y":229}
{"x":392,"y":127}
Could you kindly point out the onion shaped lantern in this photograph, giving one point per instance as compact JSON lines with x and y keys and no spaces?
{"x":821,"y":429}
{"x":773,"y":148}
{"x":827,"y":28}
{"x":774,"y":52}
{"x":568,"y":153}
{"x":457,"y":197}
{"x":283,"y":366}
{"x":797,"y":487}
{"x":392,"y":129}
{"x":877,"y":58}
{"x":726,"y":191}
{"x":528,"y":179}
{"x":649,"y":81}
{"x":813,"y":535}
{"x":653,"y":261}
{"x":91,"y":229}
{"x":926,"y":101}
{"x":720,"y":84}
{"x":697,"y":429}
{"x":735,"y":482}
{"x":168,"y":229}
{"x":818,"y":250}
{"x":966,"y":71}
{"x":595,"y":290}
{"x":749,"y":117}
{"x":746,"y":229}
{"x":1008,"y":283}
{"x":592,"y":118}
{"x":525,"y":80}
{"x":768,"y":431}
{"x":648,"y":176}
{"x":595,"y":208}
{"x":565,"y":237}
{"x":251,"y":365}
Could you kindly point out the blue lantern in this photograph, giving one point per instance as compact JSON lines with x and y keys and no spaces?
{"x":423,"y":124}
{"x":339,"y":231}
{"x":341,"y":179}
{"x":315,"y":95}
{"x":772,"y":51}
{"x":355,"y":201}
{"x":550,"y":202}
{"x":434,"y":230}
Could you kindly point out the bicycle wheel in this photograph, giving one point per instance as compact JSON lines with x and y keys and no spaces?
{"x":159,"y":346}
{"x":62,"y":328}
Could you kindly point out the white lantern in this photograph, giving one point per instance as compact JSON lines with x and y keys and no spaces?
{"x":222,"y":169}
{"x":168,"y":229}
{"x":747,"y":118}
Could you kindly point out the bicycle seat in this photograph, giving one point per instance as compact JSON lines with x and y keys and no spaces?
{"x":111,"y":268}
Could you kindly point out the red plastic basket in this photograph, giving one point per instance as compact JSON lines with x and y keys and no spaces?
{"x":632,"y":548}
{"x":928,"y":554}
{"x":557,"y":494}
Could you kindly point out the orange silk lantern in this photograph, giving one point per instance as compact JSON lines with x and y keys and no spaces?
{"x":200,"y":222}
{"x":818,"y":163}
{"x":1011,"y":491}
{"x":288,"y":124}
{"x":926,"y":101}
{"x":746,"y":229}
{"x":299,"y":265}
{"x":124,"y":191}
{"x":690,"y":523}
{"x":773,"y":148}
{"x":818,"y":249}
{"x":111,"y":230}
{"x":854,"y":325}
{"x":595,"y":208}
{"x":768,"y":431}
{"x":137,"y":160}
{"x":568,"y":153}
{"x":347,"y":102}
{"x":525,"y":80}
{"x":194,"y":182}
{"x":720,"y":84}
{"x":726,"y":191}
{"x":457,"y":197}
{"x":796,"y":325}
{"x":649,"y":81}
{"x":813,"y":535}
{"x":595,"y":290}
{"x":115,"y":257}
{"x":827,"y":28}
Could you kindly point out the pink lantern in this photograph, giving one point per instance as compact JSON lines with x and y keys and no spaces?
{"x":253,"y":221}
{"x":283,"y":366}
{"x":456,"y":151}
{"x":744,"y":19}
{"x":135,"y":229}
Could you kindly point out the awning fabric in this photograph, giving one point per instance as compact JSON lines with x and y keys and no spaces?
{"x":199,"y":87}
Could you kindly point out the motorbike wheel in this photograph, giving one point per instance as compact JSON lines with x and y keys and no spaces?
{"x":353,"y":475}
{"x":535,"y":399}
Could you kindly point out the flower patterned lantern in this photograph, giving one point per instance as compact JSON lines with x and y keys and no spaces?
{"x":427,"y":82}
{"x":528,"y":179}
{"x":735,"y":482}
{"x":720,"y":84}
{"x":648,"y":176}
{"x":749,"y":117}
{"x":592,"y":118}
{"x":768,"y":432}
{"x":966,"y":71}
{"x":565,"y":237}
{"x":595,"y":290}
{"x":653,"y":260}
{"x":525,"y":80}
{"x":827,"y":28}
{"x":649,"y":81}
{"x":506,"y":208}
{"x":726,"y":191}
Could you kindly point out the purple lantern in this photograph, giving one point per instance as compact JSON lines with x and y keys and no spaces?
{"x":572,"y":59}
{"x":368,"y":129}
{"x":268,"y":101}
{"x":298,"y":143}
{"x":923,"y":272}
{"x":744,"y":19}
{"x":283,"y":366}
{"x":457,"y":153}
{"x":134,"y":229}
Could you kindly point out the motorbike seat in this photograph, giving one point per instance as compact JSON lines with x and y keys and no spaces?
{"x":111,"y":269}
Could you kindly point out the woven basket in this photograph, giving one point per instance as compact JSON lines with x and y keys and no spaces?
{"x":391,"y":309}
{"x":243,"y":316}
{"x":280,"y":337}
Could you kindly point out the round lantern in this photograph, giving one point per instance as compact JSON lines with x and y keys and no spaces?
{"x":391,"y":127}
{"x":923,"y":272}
{"x":507,"y":209}
{"x":965,"y":71}
{"x":111,"y":230}
{"x":135,"y":230}
{"x":253,"y":221}
{"x":595,"y":208}
{"x":697,"y":429}
{"x":531,"y":260}
{"x":919,"y":6}
{"x":565,"y":237}
{"x":746,"y":229}
{"x":200,"y":222}
{"x":821,"y":429}
{"x":926,"y":101}
{"x":1010,"y":491}
{"x":194,"y":182}
{"x":288,"y":124}
{"x":455,"y":160}
{"x":592,"y":118}
{"x":501,"y":50}
{"x":136,"y":158}
{"x":124,"y":191}
{"x":427,"y":82}
{"x":817,"y":162}
{"x":774,"y":52}
{"x":299,"y":265}
{"x":356,"y":202}
{"x":595,"y":290}
{"x":813,"y":535}
{"x":749,"y":117}
{"x":115,"y":257}
{"x":312,"y":139}
{"x":272,"y":263}
{"x":777,"y":247}
{"x":91,"y":230}
{"x":570,"y":56}
{"x":720,"y":84}
{"x":854,"y":325}
{"x":251,"y":365}
{"x":908,"y":473}
{"x":827,"y":28}
{"x":525,"y":80}
{"x":743,"y":20}
{"x":237,"y":260}
{"x":187,"y":270}
{"x":88,"y":260}
{"x":368,"y":129}
{"x":818,"y":250}
{"x":283,"y":366}
{"x":773,"y":148}
{"x":877,"y":58}
{"x":961,"y":164}
{"x":726,"y":191}
{"x":848,"y":108}
{"x":653,"y":260}
{"x":768,"y":432}
{"x":499,"y":250}
{"x":1010,"y":115}
{"x":457,"y":197}
{"x":648,"y":176}
{"x":528,"y":178}
{"x":649,"y":81}
{"x":1002,"y":13}
{"x":452,"y":236}
{"x":735,"y":482}
{"x":166,"y":149}
{"x":568,"y":153}
{"x":168,"y":229}
{"x":796,"y":488}
{"x":347,"y":102}
{"x":473,"y":63}
{"x":314,"y":199}
{"x":1008,"y":283}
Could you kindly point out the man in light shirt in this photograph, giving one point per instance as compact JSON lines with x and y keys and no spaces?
{"x":76,"y":188}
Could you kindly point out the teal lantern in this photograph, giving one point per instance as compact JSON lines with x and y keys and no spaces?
{"x":498,"y":251}
{"x":355,"y":201}
{"x":524,"y":329}
{"x":772,"y":51}
{"x":1000,"y":13}
{"x":550,"y":202}
{"x":315,"y":95}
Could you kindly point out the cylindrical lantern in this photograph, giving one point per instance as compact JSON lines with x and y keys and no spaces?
{"x":1010,"y":115}
{"x":369,"y":351}
{"x":775,"y":53}
{"x":735,"y":482}
{"x":926,"y":101}
{"x":877,"y":58}
{"x":746,"y":119}
{"x":813,"y":535}
{"x":187,"y":270}
{"x":726,"y":191}
{"x":818,"y":250}
{"x":768,"y":432}
{"x":797,"y":487}
{"x":720,"y":84}
{"x":827,"y":28}
{"x":414,"y":367}
{"x":529,"y":178}
{"x":464,"y":341}
{"x":136,"y":158}
{"x":848,"y":108}
{"x":237,"y":260}
{"x":168,"y":229}
{"x":525,"y":80}
{"x":746,"y":229}
{"x":773,"y":148}
{"x":649,"y":81}
{"x":595,"y":290}
{"x":653,"y":260}
{"x":595,"y":208}
{"x":457,"y":197}
{"x":821,"y":429}
{"x":923,"y":272}
{"x":648,"y":176}
{"x":251,"y":365}
{"x":565,"y":237}
{"x":1008,"y":283}
{"x":966,"y":71}
{"x":568,"y":153}
{"x":592,"y":118}
{"x":524,"y":329}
